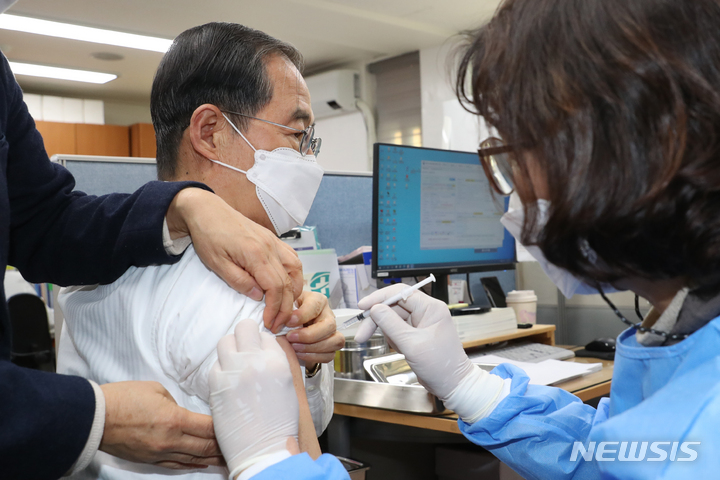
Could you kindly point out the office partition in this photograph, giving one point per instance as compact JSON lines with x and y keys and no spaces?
{"x":342,"y":211}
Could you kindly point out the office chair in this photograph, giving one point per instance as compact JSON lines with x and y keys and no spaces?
{"x":31,"y":342}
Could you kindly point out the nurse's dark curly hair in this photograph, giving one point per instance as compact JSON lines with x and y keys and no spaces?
{"x":619,"y":103}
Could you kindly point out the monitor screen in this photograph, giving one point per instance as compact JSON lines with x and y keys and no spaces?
{"x":433,"y":212}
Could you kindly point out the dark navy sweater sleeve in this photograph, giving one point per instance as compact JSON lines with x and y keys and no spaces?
{"x":45,"y":422}
{"x":66,"y":237}
{"x":52,"y":234}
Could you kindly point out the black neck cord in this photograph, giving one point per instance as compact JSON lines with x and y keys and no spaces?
{"x":638,"y":325}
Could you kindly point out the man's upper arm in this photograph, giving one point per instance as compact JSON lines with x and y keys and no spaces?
{"x":200,"y":309}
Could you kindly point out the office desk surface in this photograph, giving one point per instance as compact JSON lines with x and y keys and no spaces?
{"x":592,"y":385}
{"x":586,"y":387}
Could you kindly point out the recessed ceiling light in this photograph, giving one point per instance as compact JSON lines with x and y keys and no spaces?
{"x":60,"y":73}
{"x":85,"y":34}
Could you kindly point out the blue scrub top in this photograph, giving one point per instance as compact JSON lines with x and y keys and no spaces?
{"x":663,"y":401}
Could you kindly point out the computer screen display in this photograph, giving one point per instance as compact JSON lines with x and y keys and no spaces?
{"x":433,"y":212}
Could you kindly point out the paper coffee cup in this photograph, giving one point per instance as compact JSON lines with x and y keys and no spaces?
{"x":524,"y":302}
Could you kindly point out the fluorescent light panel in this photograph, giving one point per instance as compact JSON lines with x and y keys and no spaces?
{"x":60,"y":73}
{"x":85,"y":34}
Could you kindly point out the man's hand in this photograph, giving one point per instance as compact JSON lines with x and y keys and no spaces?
{"x":249,"y":257}
{"x":144,"y":424}
{"x":319,"y":339}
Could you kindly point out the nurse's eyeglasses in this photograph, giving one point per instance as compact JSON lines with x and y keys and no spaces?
{"x":308,"y":142}
{"x":497,"y":160}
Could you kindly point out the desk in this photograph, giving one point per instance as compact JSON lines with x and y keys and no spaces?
{"x":586,"y":387}
{"x":592,"y":385}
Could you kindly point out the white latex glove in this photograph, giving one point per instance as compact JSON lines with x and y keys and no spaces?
{"x":422,"y":329}
{"x":253,"y":401}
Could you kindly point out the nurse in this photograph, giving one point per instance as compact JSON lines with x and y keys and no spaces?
{"x":608,"y":121}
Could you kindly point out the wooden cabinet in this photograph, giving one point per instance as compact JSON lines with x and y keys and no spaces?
{"x":142,"y":140}
{"x":85,"y":139}
{"x":110,"y":140}
{"x":58,"y":137}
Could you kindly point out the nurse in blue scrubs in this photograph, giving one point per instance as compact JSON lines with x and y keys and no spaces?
{"x":607,"y":115}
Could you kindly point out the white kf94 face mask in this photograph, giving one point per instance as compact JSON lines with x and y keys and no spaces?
{"x":286,"y":183}
{"x":568,"y":284}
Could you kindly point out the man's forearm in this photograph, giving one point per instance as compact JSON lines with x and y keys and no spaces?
{"x":307,"y":439}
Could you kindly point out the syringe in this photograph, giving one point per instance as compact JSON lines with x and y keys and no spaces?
{"x":390,"y":301}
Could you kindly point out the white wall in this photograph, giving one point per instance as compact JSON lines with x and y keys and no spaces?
{"x":344,"y":137}
{"x":74,"y":110}
{"x":51,"y":108}
{"x":126,"y":113}
{"x":436,"y":90}
{"x":445,"y":123}
{"x":344,"y":143}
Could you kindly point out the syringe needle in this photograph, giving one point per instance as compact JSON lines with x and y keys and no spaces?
{"x":390,"y":301}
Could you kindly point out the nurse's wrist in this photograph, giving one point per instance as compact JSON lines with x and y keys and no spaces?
{"x":476,"y":395}
{"x":262,"y":462}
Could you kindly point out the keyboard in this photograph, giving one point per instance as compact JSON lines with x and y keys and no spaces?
{"x":530,"y":352}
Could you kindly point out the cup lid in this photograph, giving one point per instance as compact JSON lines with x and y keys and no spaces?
{"x":521,"y":296}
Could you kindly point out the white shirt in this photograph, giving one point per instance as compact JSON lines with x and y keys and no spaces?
{"x":161,"y":323}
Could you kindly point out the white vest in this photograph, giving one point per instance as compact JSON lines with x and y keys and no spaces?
{"x":161,"y":323}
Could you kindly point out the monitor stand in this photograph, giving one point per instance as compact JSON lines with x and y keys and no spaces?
{"x":440,"y":288}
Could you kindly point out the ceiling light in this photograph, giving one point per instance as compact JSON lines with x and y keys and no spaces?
{"x":85,"y":34}
{"x":60,"y":73}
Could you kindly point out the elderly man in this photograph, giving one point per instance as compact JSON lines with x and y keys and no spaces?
{"x":231,"y":110}
{"x":51,"y":424}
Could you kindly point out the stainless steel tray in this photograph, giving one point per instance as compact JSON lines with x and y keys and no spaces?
{"x":395,"y":388}
{"x":393,"y":368}
{"x":401,"y":398}
{"x":390,"y":368}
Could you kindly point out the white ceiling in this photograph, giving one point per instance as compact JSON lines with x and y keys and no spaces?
{"x":327,"y":32}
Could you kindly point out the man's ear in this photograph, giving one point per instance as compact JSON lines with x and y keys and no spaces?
{"x":207,"y":126}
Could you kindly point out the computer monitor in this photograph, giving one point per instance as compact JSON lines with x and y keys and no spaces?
{"x":433,"y":212}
